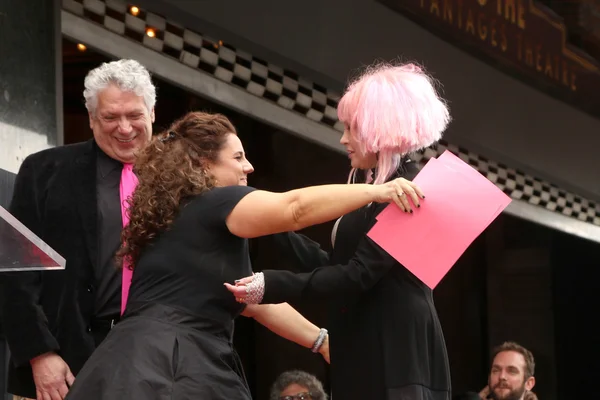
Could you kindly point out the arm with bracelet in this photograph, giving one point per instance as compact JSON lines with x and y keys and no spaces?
{"x":283,"y":320}
{"x":254,"y":216}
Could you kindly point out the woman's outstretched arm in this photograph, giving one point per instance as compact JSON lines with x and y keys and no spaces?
{"x":262,"y":213}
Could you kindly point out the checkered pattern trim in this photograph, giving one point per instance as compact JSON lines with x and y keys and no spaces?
{"x":520,"y":186}
{"x":289,"y":90}
{"x":216,"y":58}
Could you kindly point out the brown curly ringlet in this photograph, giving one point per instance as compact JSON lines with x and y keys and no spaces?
{"x":171,"y":169}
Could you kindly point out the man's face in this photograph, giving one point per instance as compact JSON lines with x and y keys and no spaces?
{"x":122,"y":123}
{"x":507,"y":377}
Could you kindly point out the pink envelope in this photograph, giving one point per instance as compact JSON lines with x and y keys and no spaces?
{"x":460,"y":203}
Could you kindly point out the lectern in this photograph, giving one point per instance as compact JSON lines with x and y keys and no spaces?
{"x":22,"y":250}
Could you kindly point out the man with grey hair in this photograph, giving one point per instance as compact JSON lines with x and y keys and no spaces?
{"x":297,"y":385}
{"x":71,"y":196}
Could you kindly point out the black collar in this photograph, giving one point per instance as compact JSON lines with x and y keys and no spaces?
{"x":105,"y":164}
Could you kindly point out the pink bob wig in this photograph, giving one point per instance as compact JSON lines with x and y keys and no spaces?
{"x":393,"y":111}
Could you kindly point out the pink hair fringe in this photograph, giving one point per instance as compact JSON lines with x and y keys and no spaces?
{"x":394,"y":111}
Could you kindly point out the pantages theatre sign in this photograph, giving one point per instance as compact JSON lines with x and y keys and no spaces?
{"x":520,"y":37}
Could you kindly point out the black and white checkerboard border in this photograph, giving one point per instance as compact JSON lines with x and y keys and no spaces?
{"x":291,"y":91}
{"x":523,"y":187}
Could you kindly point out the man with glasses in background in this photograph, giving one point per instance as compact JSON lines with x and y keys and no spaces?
{"x":297,"y":385}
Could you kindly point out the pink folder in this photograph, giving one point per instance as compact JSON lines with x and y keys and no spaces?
{"x":459,"y":204}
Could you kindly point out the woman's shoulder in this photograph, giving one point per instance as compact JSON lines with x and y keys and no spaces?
{"x":223,"y":193}
{"x":218,"y":202}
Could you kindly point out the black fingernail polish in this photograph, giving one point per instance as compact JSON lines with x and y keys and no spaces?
{"x":411,"y":211}
{"x":418,"y":206}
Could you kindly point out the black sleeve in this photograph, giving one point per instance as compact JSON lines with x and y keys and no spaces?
{"x":369,"y":264}
{"x":303,"y":252}
{"x":25,"y":324}
{"x":218,"y":203}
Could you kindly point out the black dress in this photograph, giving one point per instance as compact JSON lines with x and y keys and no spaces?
{"x":386,"y":342}
{"x":175,"y":340}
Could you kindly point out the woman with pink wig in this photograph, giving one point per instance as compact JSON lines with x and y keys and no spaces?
{"x":386,"y":339}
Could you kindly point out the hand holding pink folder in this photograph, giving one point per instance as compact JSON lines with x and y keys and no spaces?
{"x":459,"y":204}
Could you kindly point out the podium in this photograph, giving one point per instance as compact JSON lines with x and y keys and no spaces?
{"x":23,"y":250}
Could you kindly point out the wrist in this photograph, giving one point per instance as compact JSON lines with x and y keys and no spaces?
{"x":372,"y":192}
{"x":40,"y":357}
{"x":255,"y":290}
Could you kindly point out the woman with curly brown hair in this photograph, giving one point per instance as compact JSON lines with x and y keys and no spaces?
{"x":190,"y":218}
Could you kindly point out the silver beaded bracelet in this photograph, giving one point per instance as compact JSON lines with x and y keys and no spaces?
{"x":255,"y":290}
{"x":320,"y":340}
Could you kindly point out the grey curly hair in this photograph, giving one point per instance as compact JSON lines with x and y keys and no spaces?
{"x":127,"y":75}
{"x":314,"y":386}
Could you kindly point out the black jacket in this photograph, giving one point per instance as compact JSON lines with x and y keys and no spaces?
{"x":55,"y":197}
